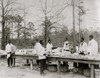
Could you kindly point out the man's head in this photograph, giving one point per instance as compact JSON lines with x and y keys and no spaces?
{"x":41,"y":42}
{"x":66,"y":39}
{"x":9,"y":41}
{"x":82,"y":39}
{"x":37,"y":40}
{"x":33,"y":44}
{"x":91,"y":37}
{"x":49,"y":41}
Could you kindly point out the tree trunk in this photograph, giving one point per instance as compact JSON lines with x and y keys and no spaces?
{"x":3,"y":28}
{"x":3,"y":35}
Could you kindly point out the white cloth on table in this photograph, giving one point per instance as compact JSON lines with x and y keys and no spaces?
{"x":93,"y":47}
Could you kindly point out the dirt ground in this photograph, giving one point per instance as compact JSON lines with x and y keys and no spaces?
{"x":21,"y":71}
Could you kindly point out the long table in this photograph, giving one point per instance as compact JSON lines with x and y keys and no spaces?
{"x":92,"y":62}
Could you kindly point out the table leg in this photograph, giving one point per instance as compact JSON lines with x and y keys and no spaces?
{"x":27,"y":61}
{"x":92,"y":71}
{"x":14,"y":62}
{"x":31,"y":64}
{"x":58,"y":66}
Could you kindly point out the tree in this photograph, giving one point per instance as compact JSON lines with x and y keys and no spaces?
{"x":18,"y":20}
{"x":6,"y":8}
{"x":31,"y":29}
{"x":51,"y":19}
{"x":81,"y":12}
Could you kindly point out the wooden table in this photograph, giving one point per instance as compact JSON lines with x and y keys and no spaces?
{"x":30,"y":57}
{"x":87,"y":61}
{"x":59,"y":59}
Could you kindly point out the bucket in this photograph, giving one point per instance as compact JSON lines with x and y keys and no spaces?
{"x":97,"y":73}
{"x":80,"y":71}
{"x":52,"y":67}
{"x":64,"y":68}
{"x":87,"y":72}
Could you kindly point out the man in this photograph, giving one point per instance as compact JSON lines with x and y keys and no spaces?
{"x":66,"y":48}
{"x":42,"y":58}
{"x":13,"y":50}
{"x":83,"y":46}
{"x":36,"y":47}
{"x":9,"y":52}
{"x":49,"y":46}
{"x":92,"y":46}
{"x":66,"y":45}
{"x":83,"y":51}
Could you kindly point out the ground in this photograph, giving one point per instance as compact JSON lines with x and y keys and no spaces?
{"x":21,"y":71}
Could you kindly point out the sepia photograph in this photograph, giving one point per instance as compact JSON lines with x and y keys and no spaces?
{"x":49,"y":38}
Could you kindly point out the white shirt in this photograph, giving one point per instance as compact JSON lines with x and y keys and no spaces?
{"x":77,"y":49}
{"x":40,"y":50}
{"x":37,"y":46}
{"x":49,"y":47}
{"x":93,"y":47}
{"x":83,"y":46}
{"x":13,"y":49}
{"x":66,"y":47}
{"x":9,"y":48}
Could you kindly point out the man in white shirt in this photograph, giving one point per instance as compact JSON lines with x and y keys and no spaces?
{"x":42,"y":56}
{"x":66,"y":48}
{"x":49,"y":46}
{"x":37,"y":48}
{"x":92,"y":46}
{"x":37,"y":44}
{"x":83,"y":51}
{"x":66,"y":45}
{"x":83,"y":46}
{"x":9,"y":52}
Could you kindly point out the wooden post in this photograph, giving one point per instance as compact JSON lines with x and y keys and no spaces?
{"x":92,"y":71}
{"x":58,"y":66}
{"x":14,"y":62}
{"x":45,"y":23}
{"x":31,"y":64}
{"x":73,"y":5}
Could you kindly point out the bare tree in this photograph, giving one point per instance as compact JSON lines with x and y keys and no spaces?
{"x":18,"y":20}
{"x":6,"y":8}
{"x":52,"y":17}
{"x":31,"y":29}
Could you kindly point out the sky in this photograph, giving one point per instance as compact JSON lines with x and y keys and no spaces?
{"x":90,"y":21}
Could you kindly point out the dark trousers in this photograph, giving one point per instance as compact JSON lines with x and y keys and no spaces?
{"x":38,"y":61}
{"x":10,"y":61}
{"x":75,"y":65}
{"x":42,"y":65}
